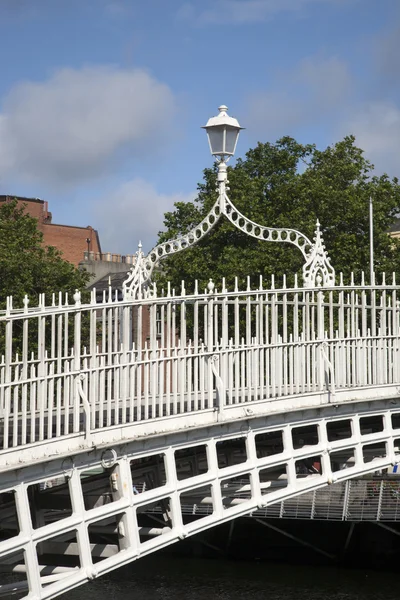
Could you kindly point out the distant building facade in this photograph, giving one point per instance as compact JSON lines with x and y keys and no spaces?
{"x":101,"y":266}
{"x":394,"y":230}
{"x":69,"y":239}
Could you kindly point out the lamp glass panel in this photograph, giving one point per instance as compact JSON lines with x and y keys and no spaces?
{"x":231,"y":139}
{"x":216,"y":139}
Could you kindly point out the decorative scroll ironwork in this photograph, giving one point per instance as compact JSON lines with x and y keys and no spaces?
{"x":267,"y":234}
{"x":317,"y":269}
{"x":139,"y":276}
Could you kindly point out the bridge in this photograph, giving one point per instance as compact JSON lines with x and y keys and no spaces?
{"x":122,"y":413}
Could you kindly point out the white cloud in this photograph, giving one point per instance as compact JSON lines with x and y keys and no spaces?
{"x":68,"y":128}
{"x":323,"y":93}
{"x":133,"y":212}
{"x":377,"y":129}
{"x":310,"y":92}
{"x":244,"y":11}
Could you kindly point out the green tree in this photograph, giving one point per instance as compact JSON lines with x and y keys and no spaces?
{"x":288,"y":184}
{"x":26,"y":266}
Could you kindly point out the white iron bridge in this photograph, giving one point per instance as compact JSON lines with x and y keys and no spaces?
{"x":175,"y":399}
{"x":133,"y":419}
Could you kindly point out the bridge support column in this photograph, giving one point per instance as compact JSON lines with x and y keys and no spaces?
{"x":356,"y":431}
{"x":288,"y":449}
{"x":254,"y":476}
{"x":78,"y":507}
{"x":128,"y":536}
{"x":175,"y":504}
{"x":325,"y":457}
{"x":388,"y":428}
{"x":212,"y":459}
{"x":36,"y":512}
{"x":25,"y":524}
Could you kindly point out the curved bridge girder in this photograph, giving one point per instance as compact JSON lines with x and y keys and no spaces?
{"x":112,"y":490}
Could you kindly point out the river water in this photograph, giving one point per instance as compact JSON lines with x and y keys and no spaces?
{"x":170,"y":578}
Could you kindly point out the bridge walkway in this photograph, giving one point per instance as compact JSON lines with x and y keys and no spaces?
{"x":259,"y":384}
{"x":76,"y":375}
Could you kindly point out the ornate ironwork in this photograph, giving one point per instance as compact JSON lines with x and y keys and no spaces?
{"x":317,"y":269}
{"x":139,"y":277}
{"x":267,"y":234}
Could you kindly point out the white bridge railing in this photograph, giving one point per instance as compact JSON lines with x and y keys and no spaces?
{"x":71,"y":366}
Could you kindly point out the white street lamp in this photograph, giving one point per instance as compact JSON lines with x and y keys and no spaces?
{"x":223,"y":133}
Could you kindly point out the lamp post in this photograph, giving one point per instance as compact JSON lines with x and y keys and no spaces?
{"x":88,"y":240}
{"x":223,"y":133}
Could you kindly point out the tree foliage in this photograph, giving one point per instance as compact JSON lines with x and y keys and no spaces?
{"x":26,"y":266}
{"x":288,"y":184}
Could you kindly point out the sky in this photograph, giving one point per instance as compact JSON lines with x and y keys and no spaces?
{"x":102,"y":101}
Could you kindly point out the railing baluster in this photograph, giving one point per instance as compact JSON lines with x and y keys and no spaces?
{"x":50,"y":399}
{"x":267,"y":342}
{"x":15,"y":408}
{"x":146,"y":373}
{"x":175,"y":381}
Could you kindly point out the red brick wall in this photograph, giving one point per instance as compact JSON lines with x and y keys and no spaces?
{"x":33,"y":206}
{"x":70,"y":240}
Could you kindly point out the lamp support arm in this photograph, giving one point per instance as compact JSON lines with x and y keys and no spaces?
{"x":317,"y":269}
{"x":266,"y":234}
{"x":139,"y":276}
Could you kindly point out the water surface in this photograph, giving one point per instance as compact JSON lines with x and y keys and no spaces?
{"x":170,"y":578}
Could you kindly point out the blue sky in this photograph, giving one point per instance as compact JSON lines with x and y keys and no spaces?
{"x":101,"y":101}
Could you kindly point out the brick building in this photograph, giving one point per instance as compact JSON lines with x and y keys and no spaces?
{"x":106,"y":269}
{"x":70,"y":240}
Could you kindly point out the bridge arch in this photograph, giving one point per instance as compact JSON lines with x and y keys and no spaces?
{"x":138,"y":495}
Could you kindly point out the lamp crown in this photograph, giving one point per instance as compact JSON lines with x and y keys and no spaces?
{"x":223,"y":119}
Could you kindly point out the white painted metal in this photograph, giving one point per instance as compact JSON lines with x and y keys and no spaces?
{"x":371,"y":239}
{"x":243,"y":486}
{"x":365,"y":499}
{"x":86,"y":373}
{"x":317,"y":269}
{"x":222,"y":132}
{"x":100,"y":385}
